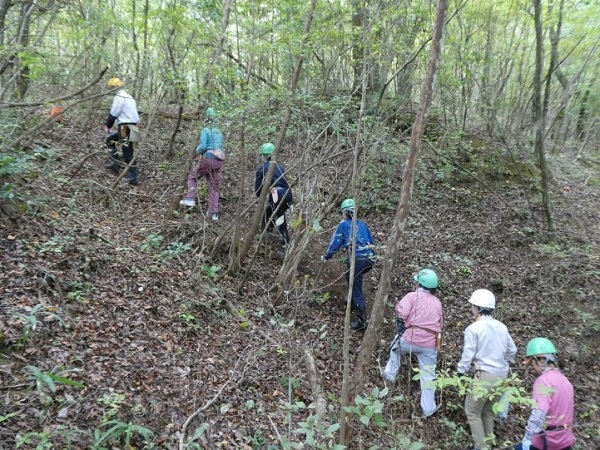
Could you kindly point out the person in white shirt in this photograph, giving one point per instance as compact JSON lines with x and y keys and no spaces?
{"x":123,"y":112}
{"x":488,"y":350}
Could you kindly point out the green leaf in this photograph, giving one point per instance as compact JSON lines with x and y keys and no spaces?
{"x":224,"y":408}
{"x":65,"y":380}
{"x":365,"y":419}
{"x":6,"y":417}
{"x":333,"y":428}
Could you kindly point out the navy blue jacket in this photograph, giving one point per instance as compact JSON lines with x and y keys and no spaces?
{"x":278,"y":177}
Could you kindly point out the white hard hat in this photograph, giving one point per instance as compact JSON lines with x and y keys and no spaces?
{"x":483,"y":298}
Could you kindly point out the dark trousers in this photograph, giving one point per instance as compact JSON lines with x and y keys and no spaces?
{"x":361,"y":267}
{"x":122,"y":137}
{"x":274,"y":211}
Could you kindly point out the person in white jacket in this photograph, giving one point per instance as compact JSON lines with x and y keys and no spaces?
{"x":124,"y":113}
{"x":488,"y":351}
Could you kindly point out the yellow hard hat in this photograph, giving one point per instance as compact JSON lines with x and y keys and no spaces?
{"x":114,"y":83}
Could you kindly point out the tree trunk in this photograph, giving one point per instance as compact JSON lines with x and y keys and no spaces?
{"x":345,"y":397}
{"x":393,"y":243}
{"x":22,"y":44}
{"x":4,"y":7}
{"x":554,"y":62}
{"x":249,"y":238}
{"x":207,"y":86}
{"x":539,"y":116}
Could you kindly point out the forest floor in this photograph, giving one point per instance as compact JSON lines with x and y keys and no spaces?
{"x":139,"y":328}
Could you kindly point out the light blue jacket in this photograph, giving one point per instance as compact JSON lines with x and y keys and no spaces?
{"x":210,"y":139}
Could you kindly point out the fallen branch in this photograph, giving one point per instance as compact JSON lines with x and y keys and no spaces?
{"x":78,"y":165}
{"x":314,"y":377}
{"x":207,"y":405}
{"x":184,"y":116}
{"x":58,"y":99}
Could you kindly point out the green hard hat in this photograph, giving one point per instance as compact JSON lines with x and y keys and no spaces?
{"x":427,"y":278}
{"x":347,"y":204}
{"x":267,"y":149}
{"x":211,"y":114}
{"x":540,"y":346}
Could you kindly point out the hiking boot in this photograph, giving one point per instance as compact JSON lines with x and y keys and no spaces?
{"x":359,"y":325}
{"x":131,"y":181}
{"x":215,"y":216}
{"x":112,"y":166}
{"x":361,"y":321}
{"x":190,"y":202}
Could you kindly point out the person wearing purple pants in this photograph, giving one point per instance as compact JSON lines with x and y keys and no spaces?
{"x":208,"y":163}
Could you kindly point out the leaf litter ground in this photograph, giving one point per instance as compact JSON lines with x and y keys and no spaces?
{"x":150,"y":330}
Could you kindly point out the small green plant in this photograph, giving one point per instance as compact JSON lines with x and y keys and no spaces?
{"x":464,"y":270}
{"x":43,"y":380}
{"x":173,"y":250}
{"x":46,"y":440}
{"x":210,"y":271}
{"x":406,"y":443}
{"x":56,"y":244}
{"x":152,"y":242}
{"x":592,"y":324}
{"x":369,"y":408}
{"x":292,"y":382}
{"x":113,"y":402}
{"x":191,"y":445}
{"x":191,"y":321}
{"x":80,"y":291}
{"x":316,"y":435}
{"x":457,"y":434}
{"x":321,"y":332}
{"x":119,"y":432}
{"x":38,"y":440}
{"x":30,"y":321}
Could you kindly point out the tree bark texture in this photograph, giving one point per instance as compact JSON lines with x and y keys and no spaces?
{"x":370,"y":340}
{"x":207,"y":85}
{"x":539,"y":115}
{"x":249,"y":238}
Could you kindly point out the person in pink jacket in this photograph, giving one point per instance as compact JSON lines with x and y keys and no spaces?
{"x":550,"y":424}
{"x":420,"y":319}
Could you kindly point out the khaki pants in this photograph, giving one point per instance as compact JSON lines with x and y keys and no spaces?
{"x":478,"y":408}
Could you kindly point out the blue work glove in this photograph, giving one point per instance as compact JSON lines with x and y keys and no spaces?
{"x":526,"y":444}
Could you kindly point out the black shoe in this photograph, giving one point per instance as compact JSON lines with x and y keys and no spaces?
{"x":112,"y":166}
{"x":361,"y":321}
{"x":130,"y":181}
{"x":358,"y":325}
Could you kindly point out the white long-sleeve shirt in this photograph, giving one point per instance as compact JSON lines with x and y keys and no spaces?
{"x":124,"y":108}
{"x":487,"y":343}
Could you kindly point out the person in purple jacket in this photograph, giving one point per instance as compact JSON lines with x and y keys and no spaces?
{"x":550,"y":424}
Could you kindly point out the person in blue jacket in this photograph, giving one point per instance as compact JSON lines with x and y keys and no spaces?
{"x":280,"y":195}
{"x":342,"y":238}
